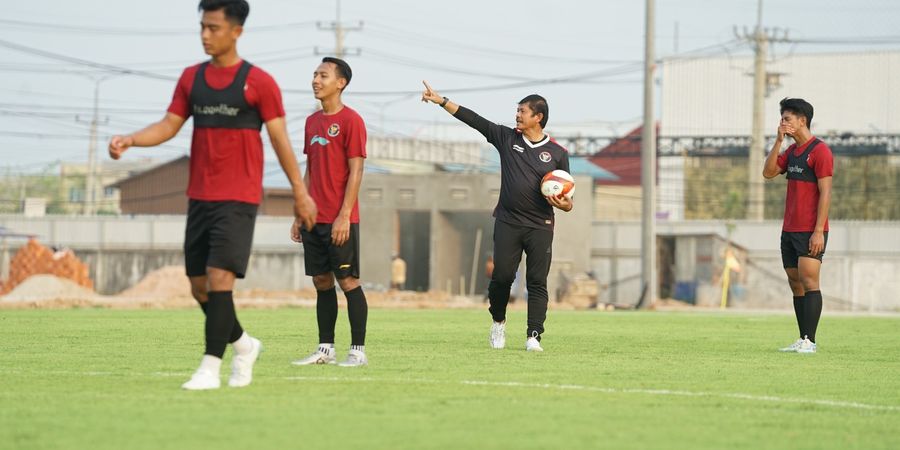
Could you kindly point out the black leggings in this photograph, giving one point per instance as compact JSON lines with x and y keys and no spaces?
{"x":509,"y":242}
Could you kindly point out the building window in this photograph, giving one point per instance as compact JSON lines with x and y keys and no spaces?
{"x":109,"y":192}
{"x":459,"y":194}
{"x":374,"y":195}
{"x":76,"y":195}
{"x":407,"y":195}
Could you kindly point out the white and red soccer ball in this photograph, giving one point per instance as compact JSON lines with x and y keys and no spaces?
{"x":556,"y":183}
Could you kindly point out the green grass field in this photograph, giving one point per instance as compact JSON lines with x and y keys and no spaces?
{"x":110,"y":379}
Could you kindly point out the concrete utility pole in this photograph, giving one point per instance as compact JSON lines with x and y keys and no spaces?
{"x":339,"y":32}
{"x":648,"y":169}
{"x":755,"y":187}
{"x":90,"y":197}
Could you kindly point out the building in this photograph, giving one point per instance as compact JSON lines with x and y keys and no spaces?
{"x":73,"y":184}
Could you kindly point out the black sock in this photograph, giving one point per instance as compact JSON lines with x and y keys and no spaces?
{"x":236,"y":332}
{"x":220,"y":321}
{"x":798,"y":311}
{"x":812,"y":310}
{"x":326,"y":314}
{"x":358,"y":310}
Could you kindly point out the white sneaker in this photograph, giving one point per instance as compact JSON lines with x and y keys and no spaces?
{"x":242,"y":365}
{"x":202,"y":380}
{"x":498,"y":335}
{"x":322,"y":355}
{"x":532,"y":344}
{"x":807,"y":347}
{"x":793,"y":347}
{"x":355,"y":358}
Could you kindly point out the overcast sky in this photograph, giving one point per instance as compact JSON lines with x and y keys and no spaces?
{"x":461,"y":44}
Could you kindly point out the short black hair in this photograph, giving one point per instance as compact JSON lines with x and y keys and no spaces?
{"x":343,"y":69}
{"x":236,"y":11}
{"x":799,"y":107}
{"x":537,"y":104}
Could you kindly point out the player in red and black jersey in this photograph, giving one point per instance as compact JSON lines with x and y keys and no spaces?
{"x":523,"y":217}
{"x":809,"y":166}
{"x":230,"y":100}
{"x":335,"y":148}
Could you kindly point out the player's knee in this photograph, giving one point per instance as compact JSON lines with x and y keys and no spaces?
{"x":503,"y":277}
{"x":323,"y":282}
{"x":199,"y":293}
{"x":348,"y":284}
{"x":809,"y":283}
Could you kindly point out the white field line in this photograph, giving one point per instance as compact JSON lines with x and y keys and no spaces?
{"x":514,"y":384}
{"x":607,"y":390}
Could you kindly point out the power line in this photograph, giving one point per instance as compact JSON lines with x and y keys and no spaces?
{"x":118,"y":31}
{"x":83,"y":62}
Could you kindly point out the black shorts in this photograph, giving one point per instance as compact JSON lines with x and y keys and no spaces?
{"x":220,"y":235}
{"x":320,"y":256}
{"x":795,"y":245}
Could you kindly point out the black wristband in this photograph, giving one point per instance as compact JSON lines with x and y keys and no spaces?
{"x":444,"y":103}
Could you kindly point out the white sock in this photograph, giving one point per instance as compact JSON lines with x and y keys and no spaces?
{"x":361,"y":348}
{"x":211,"y":363}
{"x":327,"y":346}
{"x":243,"y":345}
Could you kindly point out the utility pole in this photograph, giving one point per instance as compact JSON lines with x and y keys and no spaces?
{"x":762,"y":85}
{"x":90,"y":197}
{"x":340,"y":31}
{"x":648,"y":169}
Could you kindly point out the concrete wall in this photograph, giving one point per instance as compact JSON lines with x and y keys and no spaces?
{"x":121,"y":250}
{"x":861,"y":269}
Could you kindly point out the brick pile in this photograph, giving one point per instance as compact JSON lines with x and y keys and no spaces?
{"x":34,"y":259}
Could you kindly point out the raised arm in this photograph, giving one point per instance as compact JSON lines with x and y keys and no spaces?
{"x":151,"y":136}
{"x":304,"y":207}
{"x":465,"y":115}
{"x":771,"y":168}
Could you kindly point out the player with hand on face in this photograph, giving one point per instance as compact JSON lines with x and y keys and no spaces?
{"x":809,"y":166}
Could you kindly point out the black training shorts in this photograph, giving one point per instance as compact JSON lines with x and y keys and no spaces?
{"x":795,"y":245}
{"x":321,"y":256}
{"x":220,"y":235}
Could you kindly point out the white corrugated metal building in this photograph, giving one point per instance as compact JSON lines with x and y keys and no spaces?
{"x":851,"y":92}
{"x":855,"y":93}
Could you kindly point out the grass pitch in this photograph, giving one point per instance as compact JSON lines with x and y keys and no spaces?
{"x":110,"y":379}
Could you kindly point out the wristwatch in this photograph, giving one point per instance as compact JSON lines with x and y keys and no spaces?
{"x":444,"y":103}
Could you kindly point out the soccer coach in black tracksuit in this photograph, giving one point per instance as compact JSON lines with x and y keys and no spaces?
{"x":524,"y":217}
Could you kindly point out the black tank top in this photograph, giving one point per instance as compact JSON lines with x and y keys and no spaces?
{"x":223,"y":108}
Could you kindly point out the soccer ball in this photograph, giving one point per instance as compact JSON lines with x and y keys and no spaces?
{"x":557,"y":183}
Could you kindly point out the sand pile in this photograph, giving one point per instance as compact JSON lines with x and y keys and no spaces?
{"x":163,"y":283}
{"x":34,"y":259}
{"x":48,"y":287}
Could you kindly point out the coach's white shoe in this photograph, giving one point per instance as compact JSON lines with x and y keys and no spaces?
{"x":498,"y":335}
{"x":793,"y":347}
{"x":807,"y":347}
{"x":355,"y":358}
{"x":532,"y":344}
{"x":323,"y":355}
{"x":242,"y":365}
{"x":202,"y":380}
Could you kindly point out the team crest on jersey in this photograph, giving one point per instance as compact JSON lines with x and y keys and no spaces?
{"x":545,"y":156}
{"x":334,"y":130}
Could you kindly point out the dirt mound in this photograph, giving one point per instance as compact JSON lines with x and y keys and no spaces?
{"x":35,"y":259}
{"x":49,"y":287}
{"x":162,"y":283}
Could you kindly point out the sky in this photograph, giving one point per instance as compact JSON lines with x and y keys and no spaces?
{"x":584,"y":57}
